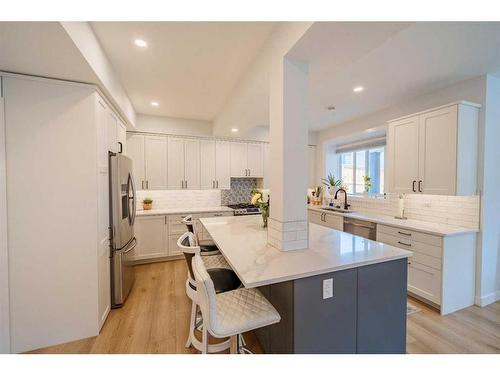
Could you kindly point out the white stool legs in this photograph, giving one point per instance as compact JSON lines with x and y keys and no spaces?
{"x":192,"y":323}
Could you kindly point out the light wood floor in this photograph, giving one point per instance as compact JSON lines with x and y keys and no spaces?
{"x":156,"y":315}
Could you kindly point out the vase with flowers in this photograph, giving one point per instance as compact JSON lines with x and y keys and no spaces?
{"x":259,"y":199}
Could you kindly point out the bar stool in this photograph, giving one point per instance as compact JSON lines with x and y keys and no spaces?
{"x":224,"y":279}
{"x":206,"y":247}
{"x":231,"y":313}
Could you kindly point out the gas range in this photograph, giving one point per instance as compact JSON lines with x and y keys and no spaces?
{"x":244,"y":209}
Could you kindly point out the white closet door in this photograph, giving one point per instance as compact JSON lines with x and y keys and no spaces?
{"x":238,"y":159}
{"x":255,"y":159}
{"x":438,"y":151}
{"x":403,"y":141}
{"x":135,"y":150}
{"x":175,"y":163}
{"x":207,"y":164}
{"x":223,"y":164}
{"x":192,"y":163}
{"x":156,"y":162}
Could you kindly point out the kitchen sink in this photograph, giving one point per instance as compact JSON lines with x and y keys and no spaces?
{"x":334,"y":209}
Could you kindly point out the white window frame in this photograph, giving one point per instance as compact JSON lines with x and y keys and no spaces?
{"x":367,"y":162}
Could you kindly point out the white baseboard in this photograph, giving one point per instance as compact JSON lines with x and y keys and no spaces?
{"x":487,"y":299}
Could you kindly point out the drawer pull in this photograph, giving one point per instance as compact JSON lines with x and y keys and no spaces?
{"x":217,"y":214}
{"x":402,"y":243}
{"x":405,"y":234}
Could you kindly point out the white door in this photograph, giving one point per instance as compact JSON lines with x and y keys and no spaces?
{"x":112,"y":130}
{"x":207,"y":164}
{"x":223,"y":164}
{"x":135,"y":150}
{"x":175,"y":163}
{"x":267,"y":165}
{"x":312,"y":166}
{"x":156,"y":162}
{"x":255,"y":159}
{"x":403,"y":143}
{"x":238,"y":159}
{"x":150,"y":234}
{"x":438,"y":151}
{"x":122,"y":138}
{"x":192,"y":164}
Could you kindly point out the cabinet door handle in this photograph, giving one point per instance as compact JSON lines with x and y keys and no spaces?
{"x":142,"y":184}
{"x":147,"y":184}
{"x":402,"y":243}
{"x":404,"y":234}
{"x":121,"y":147}
{"x":186,"y":184}
{"x":420,"y":186}
{"x":217,"y":182}
{"x":413,"y":186}
{"x":249,"y":172}
{"x":182,"y":184}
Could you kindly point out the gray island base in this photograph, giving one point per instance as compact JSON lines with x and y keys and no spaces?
{"x":364,"y":283}
{"x":367,"y":313}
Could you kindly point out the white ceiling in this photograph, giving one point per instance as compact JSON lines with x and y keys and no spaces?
{"x":393,"y":61}
{"x":188,"y":67}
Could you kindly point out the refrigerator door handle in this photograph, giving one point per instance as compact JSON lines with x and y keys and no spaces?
{"x":133,"y":198}
{"x":132,"y":247}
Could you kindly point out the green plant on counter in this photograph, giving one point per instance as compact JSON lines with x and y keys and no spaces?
{"x":330,"y":181}
{"x":147,"y":200}
{"x":368,"y":183}
{"x":259,"y":200}
{"x":318,"y":191}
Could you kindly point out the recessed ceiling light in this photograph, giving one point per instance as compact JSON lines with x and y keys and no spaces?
{"x":140,"y":43}
{"x":234,"y":130}
{"x":358,"y":89}
{"x":155,"y":104}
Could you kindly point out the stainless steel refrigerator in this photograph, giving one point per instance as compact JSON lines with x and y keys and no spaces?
{"x":123,"y":202}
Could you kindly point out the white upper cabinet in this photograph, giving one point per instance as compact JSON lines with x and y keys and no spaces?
{"x":183,"y":163}
{"x":222,"y":165}
{"x":191,"y":164}
{"x":255,"y":159}
{"x":175,"y":163}
{"x":239,"y":159}
{"x":135,"y":150}
{"x":207,"y":164}
{"x":403,"y":143}
{"x":122,"y":138}
{"x":112,"y":131}
{"x":435,"y":152}
{"x":155,"y":163}
{"x":247,"y":159}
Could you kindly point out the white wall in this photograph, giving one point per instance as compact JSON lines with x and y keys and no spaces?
{"x":85,"y":40}
{"x":4,"y":257}
{"x":490,"y":215}
{"x":171,"y":125}
{"x":248,"y":104}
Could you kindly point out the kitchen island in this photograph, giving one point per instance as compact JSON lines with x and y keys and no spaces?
{"x":344,"y":294}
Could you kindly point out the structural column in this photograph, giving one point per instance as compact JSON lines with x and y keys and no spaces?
{"x":288,"y":226}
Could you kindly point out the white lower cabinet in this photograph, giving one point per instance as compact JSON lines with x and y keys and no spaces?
{"x":151,"y":234}
{"x":441,"y":270}
{"x":326,"y":219}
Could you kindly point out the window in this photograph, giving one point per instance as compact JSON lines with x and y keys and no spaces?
{"x":355,"y":165}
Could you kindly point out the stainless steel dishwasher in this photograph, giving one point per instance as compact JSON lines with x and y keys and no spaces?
{"x":360,"y":228}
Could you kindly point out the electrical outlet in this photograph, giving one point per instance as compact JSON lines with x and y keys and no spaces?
{"x":327,"y":288}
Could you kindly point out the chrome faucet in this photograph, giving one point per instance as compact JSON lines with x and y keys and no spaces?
{"x":346,"y":206}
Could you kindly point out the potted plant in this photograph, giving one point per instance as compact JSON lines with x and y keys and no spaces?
{"x":331,"y":183}
{"x":263,"y":203}
{"x":147,"y":203}
{"x":368,"y":184}
{"x":317,"y":195}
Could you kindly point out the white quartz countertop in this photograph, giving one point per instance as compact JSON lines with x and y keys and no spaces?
{"x":421,"y":226}
{"x":243,"y":242}
{"x":184,"y":210}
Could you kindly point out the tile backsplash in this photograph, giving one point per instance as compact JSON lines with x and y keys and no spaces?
{"x":240,"y":191}
{"x":180,"y":198}
{"x":453,"y":210}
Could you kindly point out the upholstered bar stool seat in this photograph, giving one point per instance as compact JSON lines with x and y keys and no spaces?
{"x":231,"y":313}
{"x":206,"y":247}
